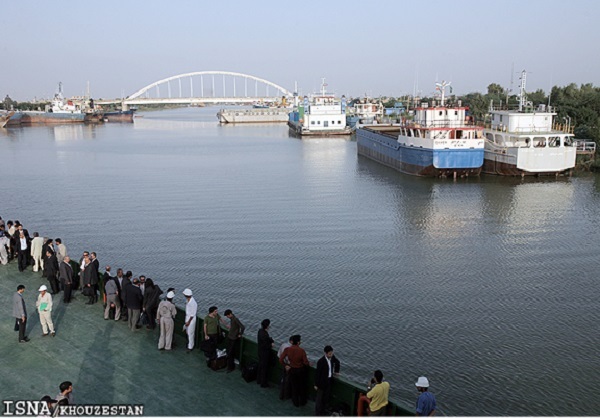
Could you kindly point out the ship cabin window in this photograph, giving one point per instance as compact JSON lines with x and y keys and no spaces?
{"x":318,"y":122}
{"x":456,"y":113}
{"x":568,"y":141}
{"x":554,"y":141}
{"x":539,"y":142}
{"x":459,"y":134}
{"x":339,"y":122}
{"x":500,"y":118}
{"x":490,"y":137}
{"x":312,"y":122}
{"x":441,"y":113}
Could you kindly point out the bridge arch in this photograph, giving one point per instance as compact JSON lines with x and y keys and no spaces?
{"x":143,"y":90}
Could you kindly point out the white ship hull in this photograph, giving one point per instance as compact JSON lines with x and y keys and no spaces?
{"x":255,"y":115}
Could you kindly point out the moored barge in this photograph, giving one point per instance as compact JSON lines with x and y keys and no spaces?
{"x":439,"y":142}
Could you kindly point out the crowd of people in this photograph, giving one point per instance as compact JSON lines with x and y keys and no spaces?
{"x":137,"y":301}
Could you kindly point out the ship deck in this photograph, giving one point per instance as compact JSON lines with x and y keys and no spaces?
{"x":109,"y":364}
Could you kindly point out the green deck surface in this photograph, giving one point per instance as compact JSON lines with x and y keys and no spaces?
{"x":109,"y":364}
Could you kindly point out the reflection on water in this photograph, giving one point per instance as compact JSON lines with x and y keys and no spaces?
{"x":487,"y":286}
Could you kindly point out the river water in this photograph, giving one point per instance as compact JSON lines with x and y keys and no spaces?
{"x":486,"y":286}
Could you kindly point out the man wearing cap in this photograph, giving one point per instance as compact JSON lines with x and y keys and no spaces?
{"x":44,"y":307}
{"x":191,"y":309}
{"x":164,"y":317}
{"x":426,"y":401}
{"x":20,"y":312}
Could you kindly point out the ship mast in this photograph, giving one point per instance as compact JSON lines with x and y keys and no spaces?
{"x":522,"y":97}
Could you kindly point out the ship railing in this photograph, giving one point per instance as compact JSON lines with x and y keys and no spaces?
{"x":566,"y":128}
{"x":585,"y":147}
{"x":557,"y":127}
{"x":526,"y":109}
{"x":443,"y":123}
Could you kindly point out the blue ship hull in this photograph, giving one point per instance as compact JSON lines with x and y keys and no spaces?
{"x":385,"y":149}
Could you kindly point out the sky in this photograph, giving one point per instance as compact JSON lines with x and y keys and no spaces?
{"x":375,"y":48}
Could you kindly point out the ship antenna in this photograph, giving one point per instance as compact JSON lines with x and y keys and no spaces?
{"x":442,"y":87}
{"x":323,"y":86}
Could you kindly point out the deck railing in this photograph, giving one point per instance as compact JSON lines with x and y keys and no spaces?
{"x":585,"y":147}
{"x":343,"y":392}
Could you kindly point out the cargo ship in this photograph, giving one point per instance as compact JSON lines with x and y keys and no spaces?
{"x":526,"y":142}
{"x":320,"y":114}
{"x":441,"y":141}
{"x":63,"y":111}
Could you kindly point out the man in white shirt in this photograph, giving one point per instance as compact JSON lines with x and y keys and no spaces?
{"x":191,"y":309}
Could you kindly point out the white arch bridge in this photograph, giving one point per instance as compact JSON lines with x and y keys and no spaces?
{"x":205,"y":87}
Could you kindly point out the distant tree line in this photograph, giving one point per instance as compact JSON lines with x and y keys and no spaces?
{"x":10,"y":104}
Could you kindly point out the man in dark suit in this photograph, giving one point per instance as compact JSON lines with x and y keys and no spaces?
{"x":51,"y":269}
{"x":134,"y":299}
{"x":96,"y":272}
{"x":66,"y":278}
{"x":47,"y":246}
{"x":90,"y":281}
{"x":22,"y":247}
{"x":122,"y":283}
{"x":328,"y":366}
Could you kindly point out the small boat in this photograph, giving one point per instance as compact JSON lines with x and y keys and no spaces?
{"x":5,"y":117}
{"x":527,"y":142}
{"x":320,"y":114}
{"x":441,"y":141}
{"x":119,"y":116}
{"x":259,"y":105}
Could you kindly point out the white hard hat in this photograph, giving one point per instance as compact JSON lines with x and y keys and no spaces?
{"x":42,"y":288}
{"x":422,"y":382}
{"x":187,"y":292}
{"x":170,"y":295}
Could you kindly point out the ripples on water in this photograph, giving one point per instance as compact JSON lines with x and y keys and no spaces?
{"x":486,"y":286}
